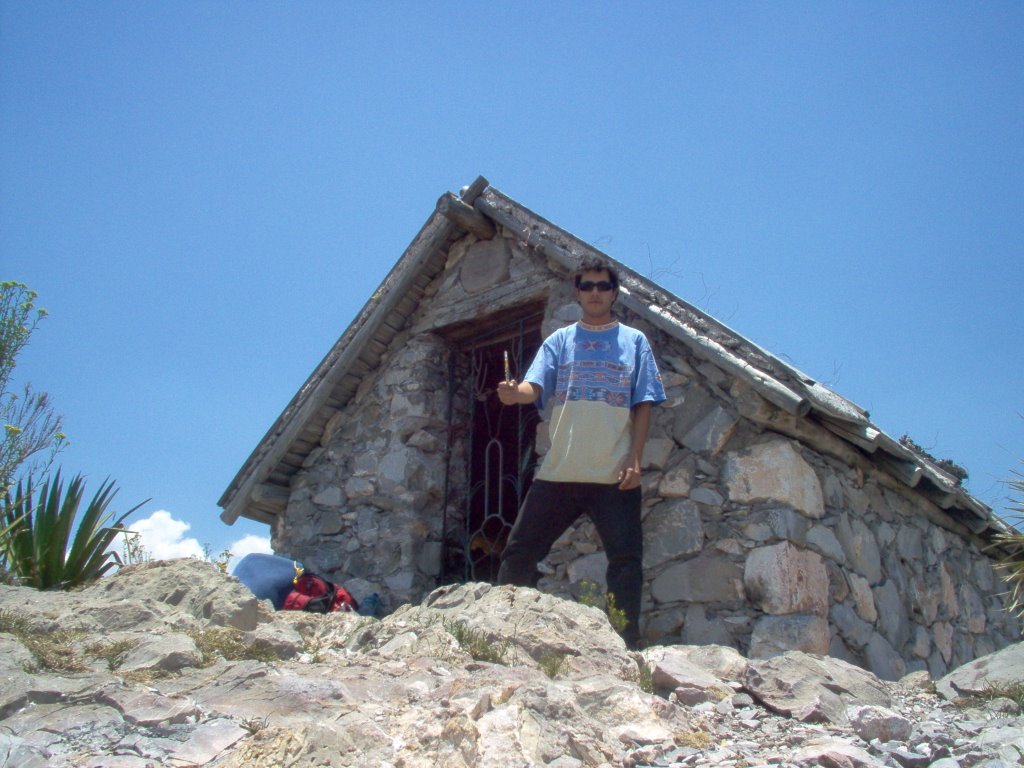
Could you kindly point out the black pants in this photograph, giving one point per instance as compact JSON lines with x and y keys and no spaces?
{"x":549,"y":510}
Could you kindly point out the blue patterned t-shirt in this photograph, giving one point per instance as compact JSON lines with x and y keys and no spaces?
{"x":593,"y":378}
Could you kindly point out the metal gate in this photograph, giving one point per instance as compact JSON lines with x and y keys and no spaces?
{"x":500,"y":455}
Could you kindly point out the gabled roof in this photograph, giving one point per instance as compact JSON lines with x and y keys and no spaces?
{"x":805,"y":408}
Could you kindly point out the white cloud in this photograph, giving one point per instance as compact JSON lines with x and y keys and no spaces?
{"x":161,"y":537}
{"x":247,"y":545}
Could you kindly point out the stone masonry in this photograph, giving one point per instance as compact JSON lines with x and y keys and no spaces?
{"x":753,"y":539}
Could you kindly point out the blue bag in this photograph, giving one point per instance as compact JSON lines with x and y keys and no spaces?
{"x":269,"y":577}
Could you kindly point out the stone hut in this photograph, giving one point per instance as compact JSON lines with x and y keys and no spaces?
{"x":776,"y":514}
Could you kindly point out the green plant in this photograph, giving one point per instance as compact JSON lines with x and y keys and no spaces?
{"x":255,"y":724}
{"x":646,"y":681}
{"x":590,"y":594}
{"x":30,"y":425}
{"x":476,"y":644}
{"x":230,"y":645}
{"x":113,"y":653}
{"x":695,"y":739}
{"x":1012,"y":691}
{"x":38,"y":547}
{"x":14,"y":623}
{"x":221,"y":560}
{"x":53,"y":651}
{"x":553,"y":663}
{"x":1011,"y":544}
{"x":132,"y":549}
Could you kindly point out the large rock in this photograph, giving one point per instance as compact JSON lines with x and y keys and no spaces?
{"x":784,"y":579}
{"x":475,"y":675}
{"x":998,"y":671}
{"x":774,"y":471}
{"x":812,"y":688}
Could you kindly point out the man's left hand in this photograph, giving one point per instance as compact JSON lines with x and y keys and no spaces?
{"x":629,"y":478}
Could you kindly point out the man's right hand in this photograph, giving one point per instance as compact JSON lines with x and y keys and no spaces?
{"x":508,"y":392}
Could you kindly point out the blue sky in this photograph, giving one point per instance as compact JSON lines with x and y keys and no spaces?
{"x":205,"y":194}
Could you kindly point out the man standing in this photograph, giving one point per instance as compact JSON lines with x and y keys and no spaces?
{"x":603,"y":379}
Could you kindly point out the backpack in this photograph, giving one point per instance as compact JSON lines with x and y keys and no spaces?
{"x":318,"y":595}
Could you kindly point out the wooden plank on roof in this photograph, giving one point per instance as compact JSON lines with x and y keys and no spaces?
{"x":864,"y":436}
{"x":907,"y":472}
{"x":324,"y":415}
{"x":396,"y":321}
{"x":968,"y":519}
{"x":280,"y":477}
{"x":370,"y":358}
{"x":406,"y":306}
{"x":465,"y":216}
{"x":262,"y":515}
{"x":474,"y":190}
{"x":349,"y":382}
{"x":270,"y":496}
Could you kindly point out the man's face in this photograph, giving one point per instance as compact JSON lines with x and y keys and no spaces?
{"x":594,"y":300}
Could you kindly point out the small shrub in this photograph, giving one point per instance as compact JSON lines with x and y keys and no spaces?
{"x":591,"y":595}
{"x":113,"y":653}
{"x":476,"y":644}
{"x":221,"y":561}
{"x":553,"y":663}
{"x":14,"y":623}
{"x":52,"y":651}
{"x":1012,"y":691}
{"x":694,"y":739}
{"x":133,"y":551}
{"x":229,"y":644}
{"x":646,"y":681}
{"x":255,"y":724}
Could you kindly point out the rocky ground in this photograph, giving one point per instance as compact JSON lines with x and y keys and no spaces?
{"x":173,"y":663}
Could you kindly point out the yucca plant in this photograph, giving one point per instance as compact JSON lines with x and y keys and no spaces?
{"x":1011,"y":543}
{"x":40,"y":544}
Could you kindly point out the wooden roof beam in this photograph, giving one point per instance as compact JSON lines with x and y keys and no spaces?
{"x":465,"y":216}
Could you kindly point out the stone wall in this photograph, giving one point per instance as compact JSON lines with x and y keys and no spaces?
{"x":752,"y":539}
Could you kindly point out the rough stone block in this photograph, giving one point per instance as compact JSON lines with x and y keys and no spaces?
{"x":707,"y":496}
{"x":331,"y":496}
{"x":783,"y":579}
{"x":860,"y":547}
{"x":676,"y":482}
{"x":704,"y":579}
{"x":853,"y":629}
{"x":893,"y":621}
{"x":672,"y":529}
{"x":698,"y":631}
{"x":883,"y":660}
{"x":823,"y":540}
{"x":863,"y":600}
{"x":588,"y":568}
{"x":774,"y":471}
{"x":695,"y":406}
{"x":656,"y":452}
{"x":484,"y":265}
{"x":774,"y":635}
{"x":711,"y":433}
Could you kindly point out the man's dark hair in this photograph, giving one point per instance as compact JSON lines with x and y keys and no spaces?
{"x":596,"y":265}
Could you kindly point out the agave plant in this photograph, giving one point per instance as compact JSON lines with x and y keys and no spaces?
{"x":1011,"y":543}
{"x":39,"y":542}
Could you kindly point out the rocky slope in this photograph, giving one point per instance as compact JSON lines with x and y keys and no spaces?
{"x":172,"y":663}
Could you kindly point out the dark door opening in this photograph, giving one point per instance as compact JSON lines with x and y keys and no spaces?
{"x":502,"y":457}
{"x":497,"y":444}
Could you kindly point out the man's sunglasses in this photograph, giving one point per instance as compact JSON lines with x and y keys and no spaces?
{"x":588,"y":285}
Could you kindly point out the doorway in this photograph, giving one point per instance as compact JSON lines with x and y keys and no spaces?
{"x":499,"y":442}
